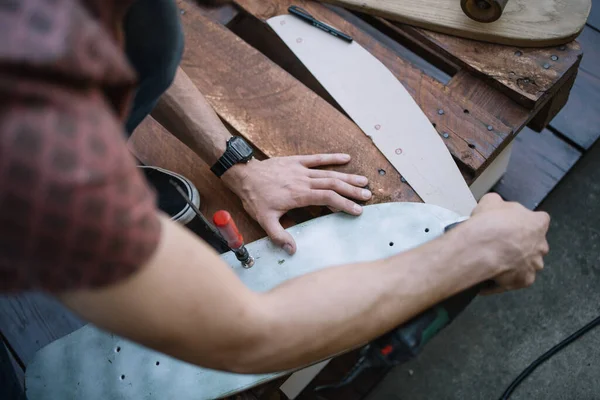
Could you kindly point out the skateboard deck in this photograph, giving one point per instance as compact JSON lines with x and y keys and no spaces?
{"x":525,"y":23}
{"x":380,"y":105}
{"x":86,"y":364}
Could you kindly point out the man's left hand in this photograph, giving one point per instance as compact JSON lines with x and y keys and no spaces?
{"x":270,"y":188}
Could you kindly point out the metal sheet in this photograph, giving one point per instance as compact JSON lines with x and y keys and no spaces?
{"x":91,"y":364}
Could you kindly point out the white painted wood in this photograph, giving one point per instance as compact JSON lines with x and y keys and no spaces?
{"x":492,"y":174}
{"x":85,"y":365}
{"x":380,"y":105}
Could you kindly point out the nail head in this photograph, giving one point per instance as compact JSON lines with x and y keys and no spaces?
{"x":490,"y":128}
{"x":402,"y":179}
{"x":518,"y":53}
{"x":546,"y":66}
{"x":441,"y":112}
{"x":445,"y":135}
{"x":554,"y":58}
{"x":381,"y":172}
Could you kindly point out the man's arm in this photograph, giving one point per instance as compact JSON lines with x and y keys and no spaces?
{"x":187,"y":303}
{"x":270,"y":188}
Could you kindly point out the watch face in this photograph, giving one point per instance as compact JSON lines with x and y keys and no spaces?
{"x":242,"y":148}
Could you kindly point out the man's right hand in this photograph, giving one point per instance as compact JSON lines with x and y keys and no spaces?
{"x":516,"y":238}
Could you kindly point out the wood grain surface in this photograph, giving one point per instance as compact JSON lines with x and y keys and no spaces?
{"x":470,"y":140}
{"x":153,"y":145}
{"x":11,"y":375}
{"x":528,"y":23}
{"x":579,"y":120}
{"x":31,"y":321}
{"x":594,"y":18}
{"x":538,"y":162}
{"x":527,"y":75}
{"x":274,"y":111}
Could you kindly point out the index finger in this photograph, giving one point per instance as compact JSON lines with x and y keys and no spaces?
{"x":318,"y":160}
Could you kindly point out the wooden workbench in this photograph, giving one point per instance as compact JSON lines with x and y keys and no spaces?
{"x":482,"y":95}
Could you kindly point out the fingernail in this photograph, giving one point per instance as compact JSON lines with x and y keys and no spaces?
{"x":366,"y":194}
{"x":287,"y":248}
{"x":357,"y":209}
{"x":362,"y":180}
{"x":345,"y":157}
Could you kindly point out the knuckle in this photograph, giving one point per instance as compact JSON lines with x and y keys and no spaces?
{"x":529,"y":280}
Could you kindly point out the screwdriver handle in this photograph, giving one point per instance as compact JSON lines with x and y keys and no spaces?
{"x":226,"y":226}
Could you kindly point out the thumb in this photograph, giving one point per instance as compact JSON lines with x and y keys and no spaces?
{"x":278,"y":235}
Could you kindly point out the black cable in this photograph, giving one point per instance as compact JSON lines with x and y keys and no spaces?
{"x":527,"y":371}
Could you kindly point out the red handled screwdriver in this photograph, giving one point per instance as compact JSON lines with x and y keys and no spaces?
{"x":224,"y":223}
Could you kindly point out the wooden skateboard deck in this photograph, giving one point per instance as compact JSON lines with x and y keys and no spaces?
{"x":525,"y":23}
{"x":380,"y":105}
{"x":87,"y":365}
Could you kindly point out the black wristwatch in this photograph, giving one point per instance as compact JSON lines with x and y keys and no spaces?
{"x":237,"y":151}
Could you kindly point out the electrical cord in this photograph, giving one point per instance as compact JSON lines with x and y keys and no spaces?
{"x":544,"y":357}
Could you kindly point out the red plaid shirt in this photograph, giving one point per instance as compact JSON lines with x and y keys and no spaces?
{"x":74,"y":210}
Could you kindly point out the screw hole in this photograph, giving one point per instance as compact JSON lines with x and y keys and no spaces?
{"x":426,"y":230}
{"x":471,"y":145}
{"x":518,"y":53}
{"x":391,"y":244}
{"x":122,"y":377}
{"x":466,"y":111}
{"x":118,"y":349}
{"x":158,"y":363}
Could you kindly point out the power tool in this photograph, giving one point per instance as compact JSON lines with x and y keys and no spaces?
{"x":406,"y":341}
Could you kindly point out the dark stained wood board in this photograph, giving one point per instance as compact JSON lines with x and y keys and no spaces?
{"x":413,"y":54}
{"x":154,"y":146}
{"x":579,"y":120}
{"x":11,"y":375}
{"x":538,"y":162}
{"x":31,"y":321}
{"x":471,"y":142}
{"x":274,"y":111}
{"x":594,"y":18}
{"x":527,"y":75}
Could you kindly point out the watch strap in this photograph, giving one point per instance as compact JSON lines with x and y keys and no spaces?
{"x":226,"y":161}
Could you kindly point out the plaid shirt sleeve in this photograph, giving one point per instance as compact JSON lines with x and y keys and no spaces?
{"x":75,"y":212}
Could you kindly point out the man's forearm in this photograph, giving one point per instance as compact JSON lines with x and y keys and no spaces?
{"x":184,"y":112}
{"x":187,"y":303}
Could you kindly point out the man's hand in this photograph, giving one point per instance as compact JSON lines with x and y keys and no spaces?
{"x":270,"y":188}
{"x":516,"y":238}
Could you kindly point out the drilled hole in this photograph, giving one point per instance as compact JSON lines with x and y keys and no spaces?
{"x":466,"y":111}
{"x":434,"y":125}
{"x":426,"y":230}
{"x":118,"y":349}
{"x":122,"y":377}
{"x":158,"y":363}
{"x":471,"y":145}
{"x":391,"y":244}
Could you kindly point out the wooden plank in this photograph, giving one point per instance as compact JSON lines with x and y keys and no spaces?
{"x":594,"y":18}
{"x":527,"y":75}
{"x":538,"y":162}
{"x":580,"y":119}
{"x":31,"y":321}
{"x":529,"y":23}
{"x":11,"y":375}
{"x":223,"y":14}
{"x":553,"y":107}
{"x":469,"y":140}
{"x":153,"y":145}
{"x":274,"y":111}
{"x":384,"y":110}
